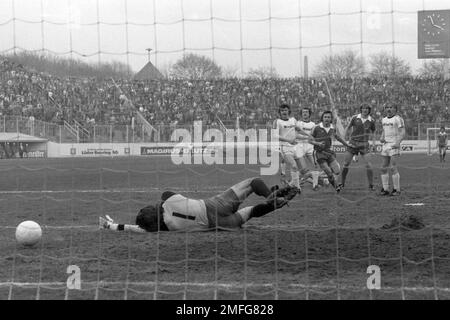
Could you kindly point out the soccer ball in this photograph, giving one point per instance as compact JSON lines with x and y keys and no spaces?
{"x":28,"y":233}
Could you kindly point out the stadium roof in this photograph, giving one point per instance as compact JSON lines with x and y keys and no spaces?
{"x":19,"y":137}
{"x":148,"y":72}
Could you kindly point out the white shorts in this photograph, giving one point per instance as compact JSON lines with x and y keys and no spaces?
{"x":287,"y":150}
{"x":303,"y":149}
{"x":387,"y":151}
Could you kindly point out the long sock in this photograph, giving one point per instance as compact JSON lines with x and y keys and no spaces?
{"x":344,"y":174}
{"x":262,"y":209}
{"x":385,"y":181}
{"x":283,"y":168}
{"x":396,"y":181}
{"x":295,"y":178}
{"x":369,"y":173}
{"x":315,"y":177}
{"x":332,"y":180}
{"x":260,"y":188}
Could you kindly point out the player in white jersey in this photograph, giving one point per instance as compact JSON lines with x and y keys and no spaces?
{"x":392,"y":136}
{"x":177,"y":213}
{"x":286,"y":134}
{"x":304,"y":149}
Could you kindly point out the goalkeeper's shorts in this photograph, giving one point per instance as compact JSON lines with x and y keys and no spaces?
{"x":221,"y":210}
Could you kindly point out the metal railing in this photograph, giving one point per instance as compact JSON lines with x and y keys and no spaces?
{"x":117,"y":133}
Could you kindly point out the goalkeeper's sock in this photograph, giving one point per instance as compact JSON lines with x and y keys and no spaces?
{"x":369,"y":173}
{"x":344,"y":175}
{"x":385,"y":181}
{"x":396,"y":181}
{"x":262,"y":209}
{"x":260,"y":188}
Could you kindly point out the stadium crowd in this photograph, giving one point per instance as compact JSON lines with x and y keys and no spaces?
{"x":28,"y":93}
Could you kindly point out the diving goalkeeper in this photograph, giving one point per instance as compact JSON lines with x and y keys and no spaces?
{"x":177,"y":213}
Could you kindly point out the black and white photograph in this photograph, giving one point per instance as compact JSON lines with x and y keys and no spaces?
{"x":243,"y":151}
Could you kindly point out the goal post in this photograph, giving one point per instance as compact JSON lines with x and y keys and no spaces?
{"x":431,"y":139}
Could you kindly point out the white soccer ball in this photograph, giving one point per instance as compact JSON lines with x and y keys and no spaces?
{"x":28,"y":233}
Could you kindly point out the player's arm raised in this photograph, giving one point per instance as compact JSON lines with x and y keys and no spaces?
{"x":348,"y":129}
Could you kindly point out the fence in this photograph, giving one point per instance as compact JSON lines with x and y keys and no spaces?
{"x":114,"y":133}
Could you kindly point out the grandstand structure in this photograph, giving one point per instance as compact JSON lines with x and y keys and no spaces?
{"x":107,"y":146}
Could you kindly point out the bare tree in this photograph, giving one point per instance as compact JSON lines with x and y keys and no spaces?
{"x":230,"y":72}
{"x":342,"y":65}
{"x":433,"y":68}
{"x":67,"y":67}
{"x":383,"y":64}
{"x":262,"y":73}
{"x":165,"y":69}
{"x":195,"y":67}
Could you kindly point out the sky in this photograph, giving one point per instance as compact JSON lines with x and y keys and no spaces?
{"x":238,"y":34}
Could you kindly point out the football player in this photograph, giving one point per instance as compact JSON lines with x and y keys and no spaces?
{"x":286,"y":134}
{"x":326,"y":158}
{"x":177,"y":213}
{"x":442,"y":141}
{"x":392,"y":136}
{"x":361,"y":129}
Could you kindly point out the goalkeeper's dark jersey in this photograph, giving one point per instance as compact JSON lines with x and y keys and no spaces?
{"x":442,"y":139}
{"x":322,"y":134}
{"x":362,"y":128}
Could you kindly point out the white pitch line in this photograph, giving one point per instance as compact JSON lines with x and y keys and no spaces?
{"x":415,"y":204}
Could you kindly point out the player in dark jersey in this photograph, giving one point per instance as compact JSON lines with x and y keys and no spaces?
{"x":362,"y":128}
{"x":177,"y":213}
{"x":325,"y":157}
{"x":442,"y":141}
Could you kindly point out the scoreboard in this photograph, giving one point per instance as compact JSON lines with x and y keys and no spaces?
{"x":433,"y":34}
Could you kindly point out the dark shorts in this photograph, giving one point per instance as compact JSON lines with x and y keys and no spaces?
{"x":443,"y":147}
{"x":327,"y":156}
{"x":360,"y":148}
{"x":221,"y":210}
